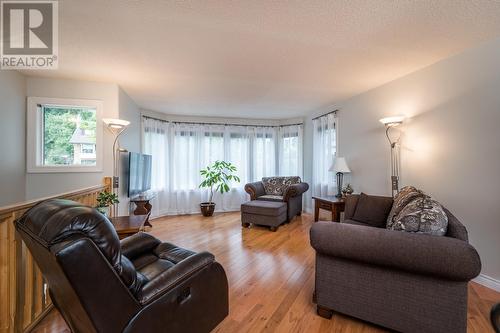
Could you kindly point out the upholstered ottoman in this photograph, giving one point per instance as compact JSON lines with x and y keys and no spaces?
{"x":268,"y":213}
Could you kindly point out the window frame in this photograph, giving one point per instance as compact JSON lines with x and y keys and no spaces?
{"x":34,"y":135}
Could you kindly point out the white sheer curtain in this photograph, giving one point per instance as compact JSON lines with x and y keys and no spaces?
{"x":263,"y":141}
{"x":181,"y":150}
{"x":324,"y":151}
{"x":290,"y":150}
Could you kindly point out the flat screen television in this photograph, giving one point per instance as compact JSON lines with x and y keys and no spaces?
{"x":139,"y":175}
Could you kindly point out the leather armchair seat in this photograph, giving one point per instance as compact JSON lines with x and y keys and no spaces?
{"x":140,"y":284}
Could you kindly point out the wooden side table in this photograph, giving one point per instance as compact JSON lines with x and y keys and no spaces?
{"x":330,"y":203}
{"x":128,"y":225}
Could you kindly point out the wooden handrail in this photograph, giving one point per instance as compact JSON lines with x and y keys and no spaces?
{"x":24,"y":299}
{"x":28,"y":204}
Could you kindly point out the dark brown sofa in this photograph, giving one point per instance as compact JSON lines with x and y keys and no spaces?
{"x":286,"y":189}
{"x":139,"y":285}
{"x":403,"y":281}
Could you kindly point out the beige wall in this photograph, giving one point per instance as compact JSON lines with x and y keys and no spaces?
{"x":130,"y":140}
{"x":116,"y":104}
{"x":39,"y":185}
{"x":451,"y":140}
{"x":12,"y":124}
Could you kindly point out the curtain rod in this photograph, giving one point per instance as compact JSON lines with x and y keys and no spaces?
{"x":326,"y":114}
{"x":218,"y":124}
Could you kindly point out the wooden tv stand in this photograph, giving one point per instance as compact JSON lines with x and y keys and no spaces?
{"x":142,"y":204}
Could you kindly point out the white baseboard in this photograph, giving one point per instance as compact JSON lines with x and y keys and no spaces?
{"x":488,"y":281}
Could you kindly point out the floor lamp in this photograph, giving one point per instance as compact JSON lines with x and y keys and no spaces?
{"x":390,"y":123}
{"x":116,"y":126}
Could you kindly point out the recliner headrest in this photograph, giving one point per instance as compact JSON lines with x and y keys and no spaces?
{"x":56,"y":220}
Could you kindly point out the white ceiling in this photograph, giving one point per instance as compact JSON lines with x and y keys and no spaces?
{"x":260,"y":58}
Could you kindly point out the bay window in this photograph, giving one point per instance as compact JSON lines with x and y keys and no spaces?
{"x":181,"y":150}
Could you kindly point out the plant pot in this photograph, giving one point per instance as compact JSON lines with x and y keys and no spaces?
{"x":103,"y":210}
{"x":207,"y":208}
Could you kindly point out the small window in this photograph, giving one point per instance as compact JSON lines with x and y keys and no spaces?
{"x":64,"y":135}
{"x":88,"y":148}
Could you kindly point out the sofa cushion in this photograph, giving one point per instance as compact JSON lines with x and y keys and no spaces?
{"x":422,"y":215}
{"x":404,"y":196}
{"x":278,"y":185}
{"x":351,"y":201}
{"x":355,"y":223}
{"x":372,"y":210}
{"x":269,"y":197}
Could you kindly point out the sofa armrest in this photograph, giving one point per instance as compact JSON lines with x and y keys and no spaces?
{"x":423,"y":254}
{"x":255,"y":190}
{"x":173,"y":276}
{"x":295,"y":190}
{"x":138,"y":244}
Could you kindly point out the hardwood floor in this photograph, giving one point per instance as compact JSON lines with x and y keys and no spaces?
{"x":271,"y":277}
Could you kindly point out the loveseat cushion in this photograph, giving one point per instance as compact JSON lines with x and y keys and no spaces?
{"x":372,"y":210}
{"x":351,"y":201}
{"x":422,"y":215}
{"x":445,"y":257}
{"x":403,"y":198}
{"x":278,"y":185}
{"x":352,"y":222}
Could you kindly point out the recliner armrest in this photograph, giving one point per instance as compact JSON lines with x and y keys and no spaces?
{"x":255,"y":190}
{"x":173,"y":276}
{"x":295,"y":190}
{"x":137,"y":244}
{"x":418,"y":253}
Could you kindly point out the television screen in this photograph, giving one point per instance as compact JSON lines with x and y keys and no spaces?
{"x":139,"y":179}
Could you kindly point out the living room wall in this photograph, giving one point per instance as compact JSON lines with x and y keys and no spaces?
{"x":13,"y":113}
{"x":117,"y":104}
{"x":44,"y":184}
{"x":450,"y":145}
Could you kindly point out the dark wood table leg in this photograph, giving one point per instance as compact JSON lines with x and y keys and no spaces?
{"x":316,"y":210}
{"x":148,"y":206}
{"x":335,"y":214}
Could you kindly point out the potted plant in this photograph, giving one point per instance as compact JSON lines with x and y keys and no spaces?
{"x":347,"y":190}
{"x":216,"y":177}
{"x":104,"y":200}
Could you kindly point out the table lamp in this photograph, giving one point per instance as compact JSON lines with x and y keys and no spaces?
{"x":340,"y":167}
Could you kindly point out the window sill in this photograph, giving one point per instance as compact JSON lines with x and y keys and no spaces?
{"x":64,"y":169}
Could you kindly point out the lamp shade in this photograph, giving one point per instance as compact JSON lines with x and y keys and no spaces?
{"x":115,"y":123}
{"x":116,"y":126}
{"x":340,"y":165}
{"x":392,"y":121}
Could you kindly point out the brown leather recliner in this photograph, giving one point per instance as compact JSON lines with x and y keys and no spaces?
{"x":139,"y":285}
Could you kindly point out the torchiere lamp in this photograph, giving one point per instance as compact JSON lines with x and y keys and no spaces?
{"x":390,"y":123}
{"x":340,"y":167}
{"x":116,"y":126}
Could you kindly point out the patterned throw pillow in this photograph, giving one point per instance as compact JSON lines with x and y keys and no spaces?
{"x":278,"y":185}
{"x":422,"y":215}
{"x":403,"y":198}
